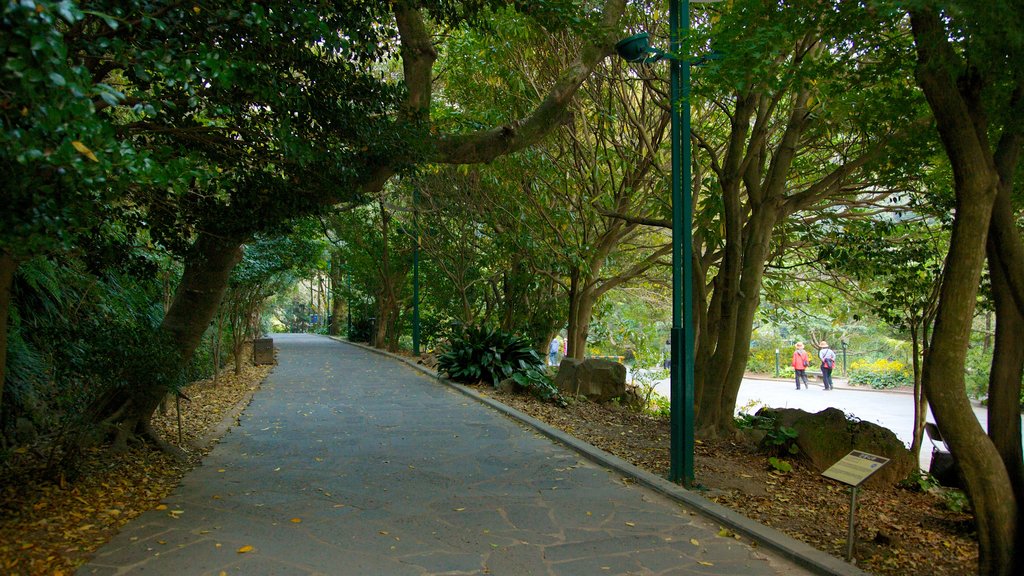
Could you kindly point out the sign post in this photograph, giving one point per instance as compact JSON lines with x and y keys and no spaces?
{"x":853,"y":469}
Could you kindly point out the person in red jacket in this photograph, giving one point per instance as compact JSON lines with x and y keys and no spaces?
{"x":800,"y":364}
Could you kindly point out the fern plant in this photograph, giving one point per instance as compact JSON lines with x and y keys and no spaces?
{"x":487,"y":354}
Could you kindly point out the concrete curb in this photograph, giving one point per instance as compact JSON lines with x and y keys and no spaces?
{"x":213,"y":435}
{"x":799,"y":552}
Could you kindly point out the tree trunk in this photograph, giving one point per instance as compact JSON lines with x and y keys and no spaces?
{"x":954,"y":90}
{"x":7,"y":268}
{"x":986,"y":478}
{"x":217,"y":328}
{"x":1005,"y":376}
{"x":920,"y":402}
{"x":733,"y":317}
{"x":338,"y":307}
{"x":205,"y":278}
{"x":573,"y":348}
{"x":581,"y":306}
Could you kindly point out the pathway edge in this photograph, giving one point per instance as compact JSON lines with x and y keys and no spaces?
{"x":799,"y":552}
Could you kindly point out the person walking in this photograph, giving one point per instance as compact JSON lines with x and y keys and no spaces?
{"x":800,"y":364}
{"x":553,"y":350}
{"x":828,"y":362}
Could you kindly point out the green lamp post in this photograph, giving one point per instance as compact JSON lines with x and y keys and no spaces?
{"x":637,"y":49}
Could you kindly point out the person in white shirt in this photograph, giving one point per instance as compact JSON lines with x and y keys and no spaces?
{"x":828,"y":362}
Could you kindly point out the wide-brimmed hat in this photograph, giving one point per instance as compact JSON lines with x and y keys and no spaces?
{"x":823,"y":344}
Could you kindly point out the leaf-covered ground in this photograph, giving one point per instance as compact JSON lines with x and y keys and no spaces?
{"x":51,"y":526}
{"x":899,"y":532}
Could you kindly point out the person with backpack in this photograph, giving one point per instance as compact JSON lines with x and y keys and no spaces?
{"x":800,"y":364}
{"x":828,"y":362}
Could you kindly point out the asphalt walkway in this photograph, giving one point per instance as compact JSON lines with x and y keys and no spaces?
{"x":352,"y":462}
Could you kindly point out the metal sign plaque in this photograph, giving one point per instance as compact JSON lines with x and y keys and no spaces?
{"x":855,"y":467}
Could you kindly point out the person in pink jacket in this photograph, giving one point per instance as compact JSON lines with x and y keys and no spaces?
{"x":800,"y":364}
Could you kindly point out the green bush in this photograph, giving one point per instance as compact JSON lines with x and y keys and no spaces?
{"x":762,"y":361}
{"x":880,"y":374}
{"x":778,"y":439}
{"x":486,"y":354}
{"x":537,"y":381}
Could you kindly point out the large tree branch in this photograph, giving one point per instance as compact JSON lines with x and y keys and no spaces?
{"x":418,"y":56}
{"x":835,"y":180}
{"x":487,"y":145}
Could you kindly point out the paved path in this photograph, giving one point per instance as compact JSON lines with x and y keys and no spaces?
{"x":348,"y":462}
{"x":891,"y":409}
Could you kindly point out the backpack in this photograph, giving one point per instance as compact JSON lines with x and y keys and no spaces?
{"x":828,"y":362}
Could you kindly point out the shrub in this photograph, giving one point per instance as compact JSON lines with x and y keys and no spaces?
{"x":880,"y":374}
{"x":486,"y":354}
{"x":537,"y":381}
{"x":780,"y":465}
{"x":762,"y":360}
{"x":777,"y":439}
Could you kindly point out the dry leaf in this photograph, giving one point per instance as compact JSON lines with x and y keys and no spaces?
{"x":245,"y":549}
{"x":296,"y":520}
{"x":694,"y":542}
{"x":84,"y":150}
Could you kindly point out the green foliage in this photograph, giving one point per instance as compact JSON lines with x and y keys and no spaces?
{"x":487,"y":354}
{"x":956,"y":501}
{"x":978,"y":368}
{"x":919,"y":481}
{"x":762,"y":360}
{"x":780,"y":465}
{"x":778,"y":439}
{"x":537,"y":381}
{"x":645,"y":380}
{"x":881,"y":374}
{"x":78,"y":342}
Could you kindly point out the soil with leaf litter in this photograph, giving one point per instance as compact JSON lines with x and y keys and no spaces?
{"x":52,"y":525}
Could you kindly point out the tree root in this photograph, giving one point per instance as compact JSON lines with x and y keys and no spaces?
{"x":153,"y":436}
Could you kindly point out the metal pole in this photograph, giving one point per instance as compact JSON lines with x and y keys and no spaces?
{"x":681,"y":376}
{"x":776,"y":362}
{"x":851,"y":534}
{"x":415,"y":278}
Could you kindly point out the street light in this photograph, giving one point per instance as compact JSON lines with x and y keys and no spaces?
{"x":636,"y":49}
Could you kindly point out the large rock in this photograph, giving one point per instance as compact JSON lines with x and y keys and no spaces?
{"x":827,"y":436}
{"x":598,"y":379}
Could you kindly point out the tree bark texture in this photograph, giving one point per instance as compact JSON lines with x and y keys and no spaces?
{"x":1005,"y":379}
{"x":954,"y":94}
{"x":203,"y":283}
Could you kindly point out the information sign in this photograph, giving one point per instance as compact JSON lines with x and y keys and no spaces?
{"x":855,"y":467}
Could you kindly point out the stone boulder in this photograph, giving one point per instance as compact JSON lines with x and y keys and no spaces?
{"x":598,"y":379}
{"x":827,"y":436}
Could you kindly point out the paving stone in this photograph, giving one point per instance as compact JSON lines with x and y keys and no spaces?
{"x":393,"y":472}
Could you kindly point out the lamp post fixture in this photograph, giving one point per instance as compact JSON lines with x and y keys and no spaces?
{"x":636,"y":49}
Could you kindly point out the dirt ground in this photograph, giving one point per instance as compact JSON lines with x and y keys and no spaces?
{"x":901,"y":532}
{"x":51,"y":525}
